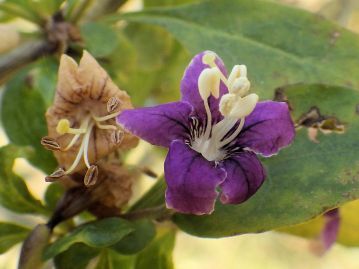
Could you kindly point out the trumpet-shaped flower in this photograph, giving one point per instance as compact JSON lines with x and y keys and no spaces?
{"x":213,"y":135}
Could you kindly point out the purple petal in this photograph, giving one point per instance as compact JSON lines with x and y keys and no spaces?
{"x":159,"y":125}
{"x":331,"y":228}
{"x":268,"y":128}
{"x":245,"y":174}
{"x":189,"y":86}
{"x":191,"y":180}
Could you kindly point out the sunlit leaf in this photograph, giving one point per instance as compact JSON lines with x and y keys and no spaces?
{"x":158,"y":255}
{"x":100,"y":39}
{"x":302,"y":48}
{"x":14,"y":193}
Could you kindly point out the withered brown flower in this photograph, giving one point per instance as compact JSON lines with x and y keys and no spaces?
{"x":81,"y":122}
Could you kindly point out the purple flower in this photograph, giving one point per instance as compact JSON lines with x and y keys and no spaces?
{"x":213,"y":135}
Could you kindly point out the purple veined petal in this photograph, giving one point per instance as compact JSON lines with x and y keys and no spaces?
{"x":158,"y":125}
{"x":331,"y":228}
{"x":189,"y":86}
{"x":268,"y":128}
{"x":191,"y":180}
{"x":245,"y":174}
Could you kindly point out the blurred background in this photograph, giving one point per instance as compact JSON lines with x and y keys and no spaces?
{"x":268,"y":250}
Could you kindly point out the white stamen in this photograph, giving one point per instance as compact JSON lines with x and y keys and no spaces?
{"x":106,"y":127}
{"x":234,"y":135}
{"x":86,"y":147}
{"x":77,"y":159}
{"x":107,"y":117}
{"x":234,"y":106}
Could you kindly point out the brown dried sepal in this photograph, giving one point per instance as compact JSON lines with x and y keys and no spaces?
{"x":113,"y":189}
{"x":81,"y":90}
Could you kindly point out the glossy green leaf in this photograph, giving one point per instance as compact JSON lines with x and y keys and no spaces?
{"x":76,"y":257}
{"x":280,"y":45}
{"x":14,"y":194}
{"x":158,"y":255}
{"x":144,"y":232}
{"x":348,"y":229}
{"x":102,"y":233}
{"x":303,"y":180}
{"x":11,"y":234}
{"x":100,"y":39}
{"x":23,"y":117}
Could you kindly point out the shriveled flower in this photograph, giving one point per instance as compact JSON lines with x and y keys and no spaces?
{"x":81,"y":121}
{"x":213,"y":135}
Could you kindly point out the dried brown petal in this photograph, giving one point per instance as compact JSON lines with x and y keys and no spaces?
{"x":114,"y":188}
{"x":84,"y":90}
{"x":91,"y":176}
{"x":50,"y":143}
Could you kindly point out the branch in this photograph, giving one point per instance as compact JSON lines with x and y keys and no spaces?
{"x":24,"y":55}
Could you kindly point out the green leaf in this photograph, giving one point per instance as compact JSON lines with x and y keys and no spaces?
{"x":158,"y":255}
{"x":348,"y":229}
{"x":241,"y":32}
{"x":144,"y":232}
{"x":53,"y":194}
{"x":14,"y":194}
{"x":148,"y":61}
{"x":45,"y":78}
{"x":303,"y":180}
{"x":23,"y":117}
{"x":158,"y":3}
{"x":153,"y":197}
{"x":100,"y":39}
{"x":76,"y":257}
{"x":102,"y":233}
{"x":11,"y":234}
{"x":111,"y":259}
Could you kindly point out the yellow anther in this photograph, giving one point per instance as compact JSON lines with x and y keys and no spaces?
{"x":227,"y":103}
{"x":209,"y":58}
{"x":240,"y":86}
{"x":63,"y":126}
{"x":208,"y":83}
{"x":237,"y":80}
{"x":234,"y":106}
{"x":244,"y":106}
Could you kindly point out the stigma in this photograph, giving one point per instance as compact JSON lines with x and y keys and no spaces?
{"x":83,"y":134}
{"x":215,"y":141}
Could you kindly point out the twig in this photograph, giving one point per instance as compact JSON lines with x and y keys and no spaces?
{"x":24,"y":55}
